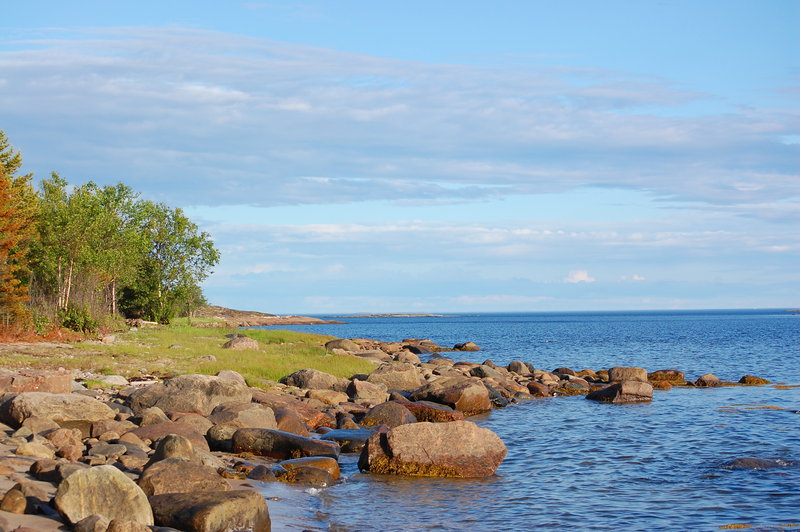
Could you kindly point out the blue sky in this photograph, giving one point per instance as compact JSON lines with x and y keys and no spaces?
{"x":445,"y":156}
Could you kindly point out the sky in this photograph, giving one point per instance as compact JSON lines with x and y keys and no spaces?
{"x":449,"y":156}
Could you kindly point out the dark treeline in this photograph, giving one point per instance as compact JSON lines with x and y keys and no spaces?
{"x":81,"y":256}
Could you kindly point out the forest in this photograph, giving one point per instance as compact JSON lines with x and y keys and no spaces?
{"x":84,"y":257}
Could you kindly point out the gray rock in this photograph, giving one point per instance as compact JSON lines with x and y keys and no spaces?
{"x":190,"y":393}
{"x":397,"y":376}
{"x":622,"y":373}
{"x":315,"y":379}
{"x":60,"y":408}
{"x":178,"y":475}
{"x":244,"y":415}
{"x":278,"y":444}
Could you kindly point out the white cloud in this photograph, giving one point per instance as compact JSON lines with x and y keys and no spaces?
{"x":579,"y":276}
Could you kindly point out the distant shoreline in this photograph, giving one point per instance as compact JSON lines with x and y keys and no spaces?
{"x":392,"y":316}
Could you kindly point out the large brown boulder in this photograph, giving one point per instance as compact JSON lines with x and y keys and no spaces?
{"x":624,"y":392}
{"x":316,"y":380}
{"x":178,"y":475}
{"x":397,"y":376}
{"x":468,"y":395}
{"x":390,"y":414}
{"x":622,"y":373}
{"x":103,"y":490}
{"x":190,"y":393}
{"x":244,"y":415}
{"x":212,"y":511}
{"x":279,"y":444}
{"x":455,"y":449}
{"x":312,"y":417}
{"x":63,"y":408}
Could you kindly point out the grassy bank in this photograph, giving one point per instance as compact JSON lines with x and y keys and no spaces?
{"x":176,"y":349}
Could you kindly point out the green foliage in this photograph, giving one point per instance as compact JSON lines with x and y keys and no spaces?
{"x":78,"y":319}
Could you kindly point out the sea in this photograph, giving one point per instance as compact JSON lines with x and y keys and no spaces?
{"x":574,"y":464}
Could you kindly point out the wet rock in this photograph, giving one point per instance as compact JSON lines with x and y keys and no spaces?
{"x":466,"y":346}
{"x":282,"y":445}
{"x":313,"y":379}
{"x":350,"y":440}
{"x":190,"y":393}
{"x":103,"y":490}
{"x":397,"y":376}
{"x":178,"y":475}
{"x":564,"y":371}
{"x":755,"y":463}
{"x":752,"y":380}
{"x":244,"y":415}
{"x":61,"y":408}
{"x":304,"y":475}
{"x":261,"y":473}
{"x":622,"y":373}
{"x":709,"y":380}
{"x":464,"y":394}
{"x":455,"y":449}
{"x":329,"y":465}
{"x":624,"y":392}
{"x":661,"y":385}
{"x":241,"y":343}
{"x":538,"y":389}
{"x":390,"y":414}
{"x":672,"y":376}
{"x":212,"y":511}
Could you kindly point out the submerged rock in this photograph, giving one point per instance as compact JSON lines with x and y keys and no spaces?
{"x":755,"y":463}
{"x":709,"y":380}
{"x":752,"y":380}
{"x":455,"y":449}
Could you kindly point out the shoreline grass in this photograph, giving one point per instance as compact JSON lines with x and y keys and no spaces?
{"x":179,"y":349}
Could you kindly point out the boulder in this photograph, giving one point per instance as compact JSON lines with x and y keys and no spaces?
{"x":35,"y":450}
{"x":288,"y":421}
{"x":92,"y":523}
{"x":190,"y":393}
{"x":397,"y":376}
{"x":315,"y":379}
{"x":624,"y":392}
{"x":173,"y":446}
{"x":304,"y":475}
{"x":328,"y":397}
{"x":622,"y":373}
{"x":467,"y":395}
{"x":466,"y":346}
{"x":672,"y":376}
{"x":367,"y":391}
{"x":123,"y":525}
{"x":240,"y":343}
{"x":486,"y":372}
{"x":709,"y":380}
{"x":220,"y":438}
{"x":178,"y":475}
{"x":212,"y":511}
{"x":310,"y":416}
{"x":244,"y":415}
{"x":755,"y":463}
{"x":565,"y":371}
{"x":455,"y":449}
{"x":282,"y":445}
{"x":390,"y":413}
{"x":349,"y":440}
{"x":158,"y":431}
{"x":199,"y":423}
{"x":433,"y":412}
{"x":519,"y":367}
{"x":538,"y":389}
{"x":229,"y":374}
{"x":752,"y":380}
{"x":342,"y":343}
{"x":103,"y":490}
{"x":61,"y":408}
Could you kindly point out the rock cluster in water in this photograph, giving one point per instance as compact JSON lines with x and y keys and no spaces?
{"x":174,"y":454}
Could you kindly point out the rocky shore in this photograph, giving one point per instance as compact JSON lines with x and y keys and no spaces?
{"x":190,"y":453}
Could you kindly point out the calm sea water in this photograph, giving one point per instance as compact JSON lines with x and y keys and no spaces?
{"x":582,"y":465}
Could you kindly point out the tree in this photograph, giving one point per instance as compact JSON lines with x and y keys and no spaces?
{"x":17,"y":211}
{"x":179,"y":258}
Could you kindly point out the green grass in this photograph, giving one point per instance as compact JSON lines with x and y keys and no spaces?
{"x":177,"y":349}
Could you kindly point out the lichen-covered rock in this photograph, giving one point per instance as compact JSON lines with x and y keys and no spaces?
{"x":103,"y":490}
{"x":455,"y":449}
{"x":622,"y":373}
{"x":212,"y":511}
{"x":468,"y":395}
{"x":190,"y":393}
{"x":624,"y":392}
{"x":282,"y":445}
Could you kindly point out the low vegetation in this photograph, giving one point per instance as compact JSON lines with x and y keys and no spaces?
{"x":176,"y":349}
